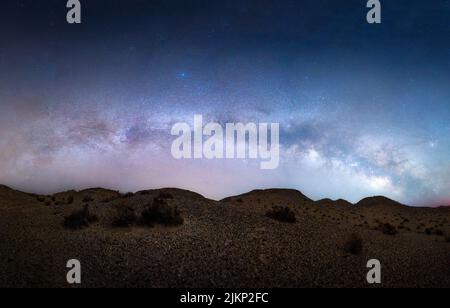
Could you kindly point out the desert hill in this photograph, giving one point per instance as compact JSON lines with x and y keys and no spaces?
{"x":338,"y":203}
{"x":9,"y":193}
{"x":288,"y":194}
{"x":378,"y":201}
{"x":178,"y":238}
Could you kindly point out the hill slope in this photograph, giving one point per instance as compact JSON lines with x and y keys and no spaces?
{"x":230,"y":243}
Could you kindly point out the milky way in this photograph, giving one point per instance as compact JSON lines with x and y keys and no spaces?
{"x":363,"y":109}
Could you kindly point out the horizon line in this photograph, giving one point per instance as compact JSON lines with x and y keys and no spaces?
{"x":220,"y":200}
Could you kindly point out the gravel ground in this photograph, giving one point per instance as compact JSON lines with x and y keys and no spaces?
{"x":228,"y":244}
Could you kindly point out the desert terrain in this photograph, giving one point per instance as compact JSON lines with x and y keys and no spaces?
{"x":262,"y":239}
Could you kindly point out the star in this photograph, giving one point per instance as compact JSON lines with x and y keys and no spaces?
{"x":183,"y":75}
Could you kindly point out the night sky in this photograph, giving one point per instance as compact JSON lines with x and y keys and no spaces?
{"x":363,"y":109}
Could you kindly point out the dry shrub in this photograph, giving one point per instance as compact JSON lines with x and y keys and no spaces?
{"x":167,"y":196}
{"x":439,"y":232}
{"x":125,"y":217}
{"x":80,"y":219}
{"x":354,"y":244}
{"x":159,"y":212}
{"x":388,"y":229}
{"x":88,"y":199}
{"x":282,"y":214}
{"x":128,"y":195}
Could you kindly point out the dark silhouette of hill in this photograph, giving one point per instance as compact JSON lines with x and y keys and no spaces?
{"x":378,"y":201}
{"x":329,"y":202}
{"x":285,"y":193}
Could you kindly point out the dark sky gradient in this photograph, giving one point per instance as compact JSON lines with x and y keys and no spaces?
{"x":364,"y":109}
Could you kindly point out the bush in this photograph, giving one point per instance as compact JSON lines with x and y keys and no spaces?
{"x":112,"y":198}
{"x":159,"y":212}
{"x":439,"y":232}
{"x":283,"y":214}
{"x":354,"y":245}
{"x":128,"y":195}
{"x":70,"y":200}
{"x":389,"y":229}
{"x":126,"y":217}
{"x":80,"y":219}
{"x":165,"y":196}
{"x":447,"y":239}
{"x":40,"y":199}
{"x":88,"y":199}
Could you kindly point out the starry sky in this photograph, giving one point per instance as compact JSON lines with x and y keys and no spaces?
{"x":363,"y":109}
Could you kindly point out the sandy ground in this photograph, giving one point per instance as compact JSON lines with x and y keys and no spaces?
{"x":229,"y":244}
